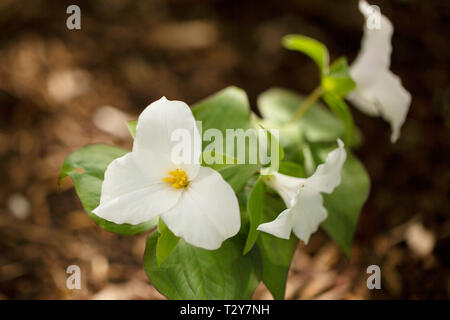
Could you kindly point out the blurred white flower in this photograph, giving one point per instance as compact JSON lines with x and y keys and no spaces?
{"x":195,"y":202}
{"x":379,"y":92}
{"x":303,"y":199}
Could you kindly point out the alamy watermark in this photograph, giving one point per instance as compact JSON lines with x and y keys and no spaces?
{"x":73,"y":281}
{"x":73,"y":21}
{"x":236,"y":146}
{"x":373,"y":21}
{"x":374,"y":280}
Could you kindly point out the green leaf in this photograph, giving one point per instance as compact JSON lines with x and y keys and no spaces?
{"x":255,"y":207}
{"x":345,"y":203}
{"x":86,"y":167}
{"x":338,"y":80}
{"x":342,"y":111}
{"x":227,"y":109}
{"x":292,"y":169}
{"x":238,"y":175}
{"x":167,"y":242}
{"x":314,"y":49}
{"x":194,"y":273}
{"x":132,"y":127}
{"x":290,"y":133}
{"x":91,"y":159}
{"x":317,"y":125}
{"x":276,"y":253}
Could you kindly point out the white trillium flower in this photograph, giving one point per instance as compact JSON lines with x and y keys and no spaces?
{"x":303,"y":199}
{"x":379,"y":92}
{"x":195,"y":202}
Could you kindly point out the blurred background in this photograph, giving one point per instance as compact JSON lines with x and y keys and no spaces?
{"x":61,"y":89}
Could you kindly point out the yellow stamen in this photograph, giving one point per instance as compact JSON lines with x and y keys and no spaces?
{"x":178,"y":179}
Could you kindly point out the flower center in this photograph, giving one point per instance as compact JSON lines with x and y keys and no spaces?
{"x":177,"y":178}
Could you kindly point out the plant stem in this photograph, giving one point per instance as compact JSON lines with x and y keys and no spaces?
{"x":307,"y":103}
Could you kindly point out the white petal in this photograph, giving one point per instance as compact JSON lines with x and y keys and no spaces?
{"x":364,"y":101}
{"x":390,"y":99}
{"x":379,"y":91}
{"x":308,"y":213}
{"x":328,"y":175}
{"x":305,"y":210}
{"x":304,"y":218}
{"x":131,"y":195}
{"x":281,"y":227}
{"x":286,"y":186}
{"x":376,"y":48}
{"x":157,"y":129}
{"x":207,"y":213}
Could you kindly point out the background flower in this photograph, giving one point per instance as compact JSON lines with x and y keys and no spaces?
{"x":379,"y":92}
